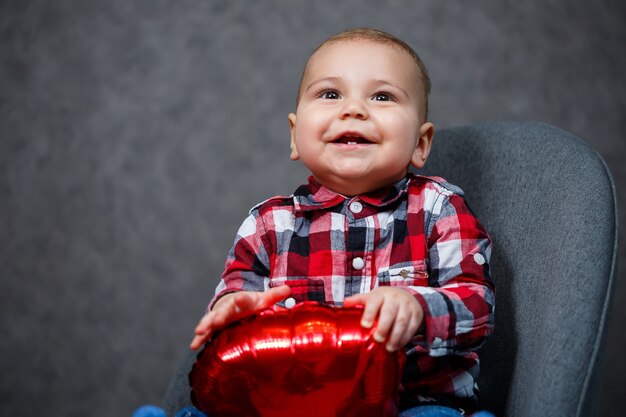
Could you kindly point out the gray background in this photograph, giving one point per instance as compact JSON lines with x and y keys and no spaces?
{"x":135,"y":135}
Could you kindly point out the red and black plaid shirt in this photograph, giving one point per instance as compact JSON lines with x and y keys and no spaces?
{"x":418,"y":234}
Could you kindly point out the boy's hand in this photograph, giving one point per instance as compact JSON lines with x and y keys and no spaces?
{"x":235,"y":306}
{"x":399,"y":314}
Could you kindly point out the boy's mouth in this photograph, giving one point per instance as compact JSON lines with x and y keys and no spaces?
{"x":350,"y":139}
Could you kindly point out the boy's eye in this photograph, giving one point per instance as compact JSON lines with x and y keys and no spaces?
{"x":329,"y":95}
{"x":382,"y":97}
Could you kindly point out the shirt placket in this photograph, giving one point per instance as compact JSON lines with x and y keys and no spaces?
{"x":358,"y":248}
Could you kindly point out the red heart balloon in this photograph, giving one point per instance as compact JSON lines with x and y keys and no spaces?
{"x":310,"y":361}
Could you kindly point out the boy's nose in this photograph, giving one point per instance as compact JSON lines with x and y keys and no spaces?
{"x":354,"y":108}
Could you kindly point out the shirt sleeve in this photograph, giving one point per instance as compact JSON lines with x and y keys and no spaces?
{"x":247,"y":266}
{"x":458,"y":304}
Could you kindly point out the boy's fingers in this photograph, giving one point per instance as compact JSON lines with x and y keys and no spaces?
{"x":372,"y":306}
{"x":218,"y":318}
{"x":414,"y":322}
{"x":239,"y":306}
{"x":399,"y":331}
{"x":355,"y":300}
{"x":386,"y":320}
{"x":412,"y":329}
{"x":200,"y":326}
{"x":204,"y":324}
{"x":222,"y":315}
{"x":202,"y":332}
{"x":197,"y":342}
{"x":274,"y":295}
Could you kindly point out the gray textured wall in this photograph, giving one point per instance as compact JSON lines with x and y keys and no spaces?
{"x":135,"y":135}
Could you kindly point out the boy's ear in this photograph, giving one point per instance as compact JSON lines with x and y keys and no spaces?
{"x":423,"y":145}
{"x":292,"y":129}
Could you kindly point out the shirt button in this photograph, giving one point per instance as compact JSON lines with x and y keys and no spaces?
{"x":479,"y":259}
{"x":356,"y":207}
{"x":358,"y":263}
{"x":290,"y":302}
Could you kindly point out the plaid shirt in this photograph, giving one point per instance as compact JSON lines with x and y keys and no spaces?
{"x":418,"y":234}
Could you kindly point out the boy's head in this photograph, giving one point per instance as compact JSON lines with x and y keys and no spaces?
{"x":361,"y":112}
{"x":378,"y":36}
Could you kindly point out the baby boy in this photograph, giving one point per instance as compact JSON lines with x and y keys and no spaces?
{"x":365,"y":230}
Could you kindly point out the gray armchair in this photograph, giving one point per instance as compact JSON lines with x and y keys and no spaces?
{"x":548,"y":201}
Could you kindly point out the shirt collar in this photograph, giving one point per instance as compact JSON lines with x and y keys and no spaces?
{"x":315,"y":196}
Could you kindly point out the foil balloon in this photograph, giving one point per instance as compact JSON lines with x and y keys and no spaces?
{"x":310,"y":361}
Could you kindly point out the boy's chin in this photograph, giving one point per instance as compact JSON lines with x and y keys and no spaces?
{"x":351,"y":185}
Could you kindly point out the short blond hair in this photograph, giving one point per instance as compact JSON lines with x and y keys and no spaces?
{"x":375,"y":35}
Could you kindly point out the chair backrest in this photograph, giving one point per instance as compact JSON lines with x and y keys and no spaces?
{"x":548,"y":202}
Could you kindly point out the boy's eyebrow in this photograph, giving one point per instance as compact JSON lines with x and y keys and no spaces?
{"x":395,"y":86}
{"x":331,"y":79}
{"x":378,"y":83}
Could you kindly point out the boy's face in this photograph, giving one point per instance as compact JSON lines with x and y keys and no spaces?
{"x":357,"y":126}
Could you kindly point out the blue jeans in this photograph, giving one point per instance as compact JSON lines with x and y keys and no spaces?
{"x":152,"y":411}
{"x":190,"y":412}
{"x":421,"y":411}
{"x":431,"y":411}
{"x":439,"y":411}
